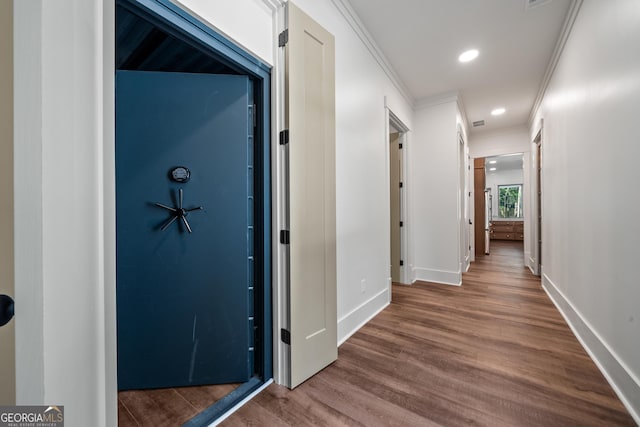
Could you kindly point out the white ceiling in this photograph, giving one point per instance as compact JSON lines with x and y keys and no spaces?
{"x":422,"y":39}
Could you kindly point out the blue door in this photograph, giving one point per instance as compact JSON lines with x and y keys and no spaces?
{"x":184,"y":212}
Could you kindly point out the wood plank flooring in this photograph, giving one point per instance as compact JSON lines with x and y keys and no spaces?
{"x":167,"y":407}
{"x":493,"y":352}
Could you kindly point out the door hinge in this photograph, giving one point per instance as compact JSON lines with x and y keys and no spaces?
{"x":401,"y":263}
{"x":469,"y":193}
{"x":284,"y":237}
{"x":285,"y":336}
{"x":401,"y":224}
{"x":400,"y":185}
{"x":400,"y":146}
{"x":283,"y":38}
{"x":284,"y":137}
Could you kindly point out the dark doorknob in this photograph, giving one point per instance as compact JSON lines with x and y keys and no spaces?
{"x":6,"y":309}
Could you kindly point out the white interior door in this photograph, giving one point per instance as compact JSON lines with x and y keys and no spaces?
{"x":7,"y":332}
{"x":310,"y":118}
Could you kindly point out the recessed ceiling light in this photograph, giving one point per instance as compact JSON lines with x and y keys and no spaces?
{"x":498,"y":111}
{"x":493,"y":162}
{"x":467,"y":56}
{"x":492,"y":169}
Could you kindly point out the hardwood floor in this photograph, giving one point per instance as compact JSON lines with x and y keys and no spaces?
{"x":167,"y":407}
{"x":493,"y":352}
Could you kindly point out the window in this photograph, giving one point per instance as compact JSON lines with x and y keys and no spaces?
{"x":510,"y":201}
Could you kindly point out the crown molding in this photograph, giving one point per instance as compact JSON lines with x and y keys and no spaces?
{"x":572,"y":14}
{"x":482,"y":132}
{"x":350,"y":15}
{"x":446,"y":98}
{"x":463,"y":114}
{"x":441,"y":98}
{"x":274,"y":4}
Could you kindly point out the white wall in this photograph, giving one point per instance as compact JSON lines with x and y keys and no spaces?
{"x":65,"y":335}
{"x":501,"y":141}
{"x":249,"y":23}
{"x":590,"y":199}
{"x":433,"y":194}
{"x":504,"y":177}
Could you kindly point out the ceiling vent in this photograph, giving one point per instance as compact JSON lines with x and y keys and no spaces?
{"x":531,"y":4}
{"x":478,"y":123}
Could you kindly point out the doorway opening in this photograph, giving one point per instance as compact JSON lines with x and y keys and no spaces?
{"x":504,"y":199}
{"x":193,"y":218}
{"x":397,"y":140}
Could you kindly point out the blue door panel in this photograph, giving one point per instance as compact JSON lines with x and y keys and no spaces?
{"x":183,"y":299}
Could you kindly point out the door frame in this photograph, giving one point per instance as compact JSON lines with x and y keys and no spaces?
{"x":535,"y":247}
{"x":464,"y":240}
{"x":395,"y":202}
{"x":7,"y":332}
{"x":179,"y":23}
{"x":392,"y":119}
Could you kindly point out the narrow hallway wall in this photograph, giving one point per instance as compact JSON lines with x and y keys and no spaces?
{"x":590,"y":199}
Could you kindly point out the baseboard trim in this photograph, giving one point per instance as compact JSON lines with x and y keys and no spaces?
{"x":623,"y":382}
{"x":452,"y":278}
{"x":361,"y":315}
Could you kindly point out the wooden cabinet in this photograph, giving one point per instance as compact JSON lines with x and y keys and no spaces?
{"x":507,"y":230}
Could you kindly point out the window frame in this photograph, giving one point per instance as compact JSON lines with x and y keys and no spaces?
{"x":518,"y":206}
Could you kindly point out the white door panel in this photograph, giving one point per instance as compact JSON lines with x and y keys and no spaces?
{"x":310,"y":118}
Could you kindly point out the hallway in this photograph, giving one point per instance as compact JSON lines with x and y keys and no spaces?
{"x":492,"y":352}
